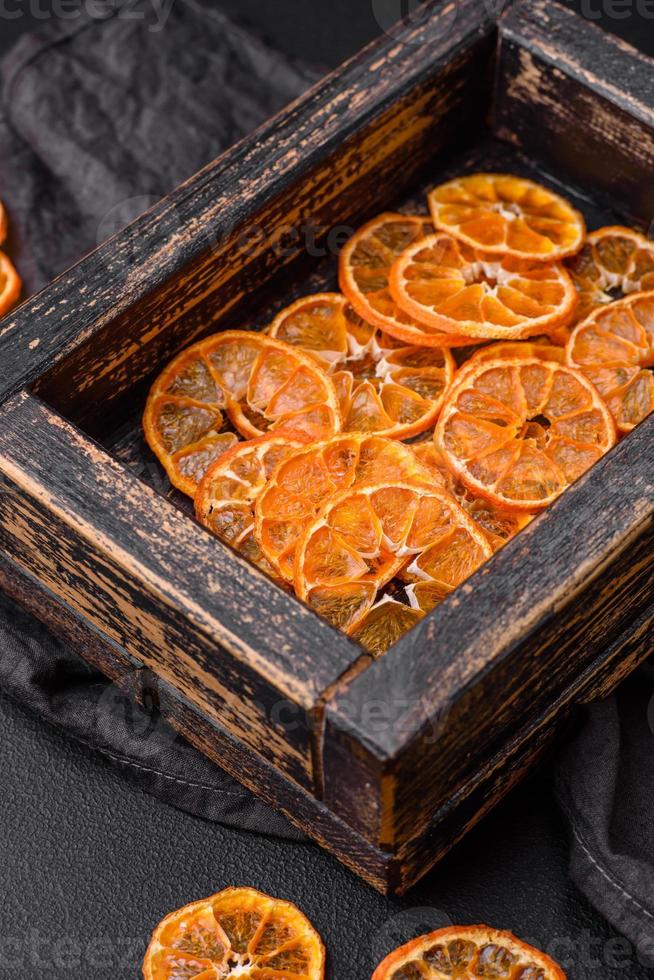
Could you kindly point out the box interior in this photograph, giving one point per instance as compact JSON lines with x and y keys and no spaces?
{"x":119,"y":430}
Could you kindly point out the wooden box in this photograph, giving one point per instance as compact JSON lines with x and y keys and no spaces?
{"x":384,"y":763}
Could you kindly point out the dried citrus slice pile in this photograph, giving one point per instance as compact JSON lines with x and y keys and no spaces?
{"x":261,"y":383}
{"x":507,"y":215}
{"x":614,"y":262}
{"x":468,"y":953}
{"x":225,"y":498}
{"x":309,"y":477}
{"x":614,"y":347}
{"x":363,"y":536}
{"x":239,"y":932}
{"x":518,"y":431}
{"x":10,"y":282}
{"x":383,"y":387}
{"x":450,"y":286}
{"x":290,"y":440}
{"x":364,"y":270}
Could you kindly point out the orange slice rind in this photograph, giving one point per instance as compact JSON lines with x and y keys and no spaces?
{"x":306,"y":479}
{"x":364,"y":270}
{"x":469,"y":953}
{"x":239,"y":932}
{"x":507,"y":215}
{"x":10,"y":282}
{"x":519,"y":431}
{"x":226,"y":495}
{"x":260,"y":383}
{"x":614,"y":348}
{"x":383,"y":387}
{"x":614,"y":262}
{"x":363,"y":536}
{"x":447,"y":285}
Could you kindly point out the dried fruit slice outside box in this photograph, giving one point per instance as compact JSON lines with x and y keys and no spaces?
{"x":507,"y":215}
{"x":226,"y":496}
{"x":519,"y":431}
{"x":614,"y":262}
{"x":10,"y":282}
{"x":614,"y":348}
{"x":262,"y":384}
{"x":363,"y":536}
{"x":239,"y":932}
{"x":447,"y":285}
{"x":468,"y":953}
{"x":364,"y":270}
{"x":301,"y":484}
{"x":383,"y":387}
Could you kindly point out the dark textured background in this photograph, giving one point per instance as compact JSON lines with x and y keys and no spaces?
{"x":88,"y":864}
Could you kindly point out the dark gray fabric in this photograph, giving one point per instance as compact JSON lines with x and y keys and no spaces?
{"x":98,"y":121}
{"x":606,"y":788}
{"x":101,"y":118}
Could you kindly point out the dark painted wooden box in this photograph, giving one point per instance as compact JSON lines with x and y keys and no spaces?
{"x":388,"y":763}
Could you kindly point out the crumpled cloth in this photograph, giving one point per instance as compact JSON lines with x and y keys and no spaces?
{"x":100,"y":119}
{"x":605,"y":786}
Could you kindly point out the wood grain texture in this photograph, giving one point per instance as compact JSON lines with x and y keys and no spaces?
{"x":580,"y":100}
{"x":177,"y":599}
{"x":497,"y":652}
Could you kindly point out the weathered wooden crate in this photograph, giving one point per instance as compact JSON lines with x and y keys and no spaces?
{"x":385,"y":763}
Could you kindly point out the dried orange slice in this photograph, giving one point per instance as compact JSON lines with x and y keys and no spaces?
{"x":10,"y":284}
{"x":543,"y":349}
{"x":447,"y":285}
{"x":225,"y":498}
{"x":507,"y":215}
{"x":468,"y":953}
{"x":363,"y":536}
{"x":520,"y":430}
{"x":263,"y":384}
{"x":383,"y":387}
{"x":237,"y":933}
{"x":614,"y":262}
{"x":364,"y":270}
{"x":498,"y":523}
{"x":614,"y":347}
{"x":303,"y":482}
{"x":4,"y":223}
{"x":385,"y":624}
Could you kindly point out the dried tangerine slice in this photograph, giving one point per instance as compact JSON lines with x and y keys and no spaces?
{"x":385,"y":624}
{"x":225,"y":498}
{"x":364,"y":269}
{"x":498,"y":523}
{"x":614,"y":347}
{"x":447,"y":285}
{"x":468,"y":953}
{"x":543,"y":349}
{"x":363,"y":536}
{"x":4,"y":223}
{"x":261,"y":383}
{"x":383,"y":387}
{"x":519,"y":431}
{"x":614,"y":262}
{"x":10,"y":283}
{"x":303,"y":482}
{"x":239,"y":932}
{"x":507,"y":215}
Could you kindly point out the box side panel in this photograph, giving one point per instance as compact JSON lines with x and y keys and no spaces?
{"x":580,"y":100}
{"x":178,"y":600}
